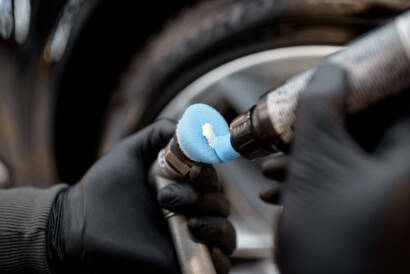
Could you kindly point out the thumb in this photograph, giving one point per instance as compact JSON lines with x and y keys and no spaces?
{"x":394,"y":148}
{"x":146,"y":144}
{"x":321,"y":108}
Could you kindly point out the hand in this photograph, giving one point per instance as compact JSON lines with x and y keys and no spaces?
{"x":345,"y":209}
{"x":274,"y":168}
{"x":207,"y":208}
{"x":110,"y":222}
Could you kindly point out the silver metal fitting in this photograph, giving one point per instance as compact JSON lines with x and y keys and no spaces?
{"x":181,"y":167}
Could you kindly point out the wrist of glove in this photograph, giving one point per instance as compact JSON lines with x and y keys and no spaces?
{"x":111,"y":221}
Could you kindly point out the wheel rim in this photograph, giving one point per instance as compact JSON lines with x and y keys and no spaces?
{"x":227,"y":88}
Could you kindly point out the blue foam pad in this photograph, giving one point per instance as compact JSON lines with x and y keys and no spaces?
{"x":195,"y":145}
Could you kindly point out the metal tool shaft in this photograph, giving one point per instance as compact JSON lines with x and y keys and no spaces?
{"x":193,"y":256}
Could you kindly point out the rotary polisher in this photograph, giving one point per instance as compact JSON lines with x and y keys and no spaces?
{"x":378,"y":65}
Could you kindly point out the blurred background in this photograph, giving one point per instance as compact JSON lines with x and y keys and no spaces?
{"x":77,"y":76}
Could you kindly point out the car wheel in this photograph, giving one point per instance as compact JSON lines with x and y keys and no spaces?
{"x":226,"y":53}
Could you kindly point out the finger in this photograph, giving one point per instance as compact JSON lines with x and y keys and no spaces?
{"x":275,"y":168}
{"x":214,"y":231}
{"x":273,"y":195}
{"x":325,"y":95}
{"x":204,"y":177}
{"x":221,"y":261}
{"x":185,"y":199}
{"x":393,"y":151}
{"x":147,"y":143}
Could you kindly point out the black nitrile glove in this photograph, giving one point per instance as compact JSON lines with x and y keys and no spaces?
{"x":203,"y":202}
{"x":345,"y":209}
{"x":110,"y":222}
{"x":275,"y":168}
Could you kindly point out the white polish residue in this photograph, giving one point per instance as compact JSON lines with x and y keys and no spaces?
{"x":209,"y":134}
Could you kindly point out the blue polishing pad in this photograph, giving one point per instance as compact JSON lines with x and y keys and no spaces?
{"x":214,"y":147}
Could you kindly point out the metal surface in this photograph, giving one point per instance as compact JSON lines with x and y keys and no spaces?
{"x":56,"y":46}
{"x":193,"y":256}
{"x":177,"y":164}
{"x":268,"y":68}
{"x":224,"y":89}
{"x":6,"y":18}
{"x":22,"y":14}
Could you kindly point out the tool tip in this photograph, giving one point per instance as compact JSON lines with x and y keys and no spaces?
{"x":203,"y":135}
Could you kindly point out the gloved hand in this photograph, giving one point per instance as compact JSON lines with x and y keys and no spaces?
{"x":274,"y":167}
{"x":110,"y":221}
{"x":345,"y":209}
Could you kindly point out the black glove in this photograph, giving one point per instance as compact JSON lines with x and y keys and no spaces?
{"x":275,"y":168}
{"x":110,"y":221}
{"x":345,"y":209}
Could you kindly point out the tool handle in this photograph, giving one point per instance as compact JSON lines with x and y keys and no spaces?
{"x":193,"y":256}
{"x":378,"y":65}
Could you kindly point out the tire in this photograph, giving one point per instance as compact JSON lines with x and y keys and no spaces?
{"x":201,"y":40}
{"x":212,"y":33}
{"x":102,"y":37}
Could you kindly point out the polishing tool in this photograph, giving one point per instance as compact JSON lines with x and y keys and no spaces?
{"x":203,"y":135}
